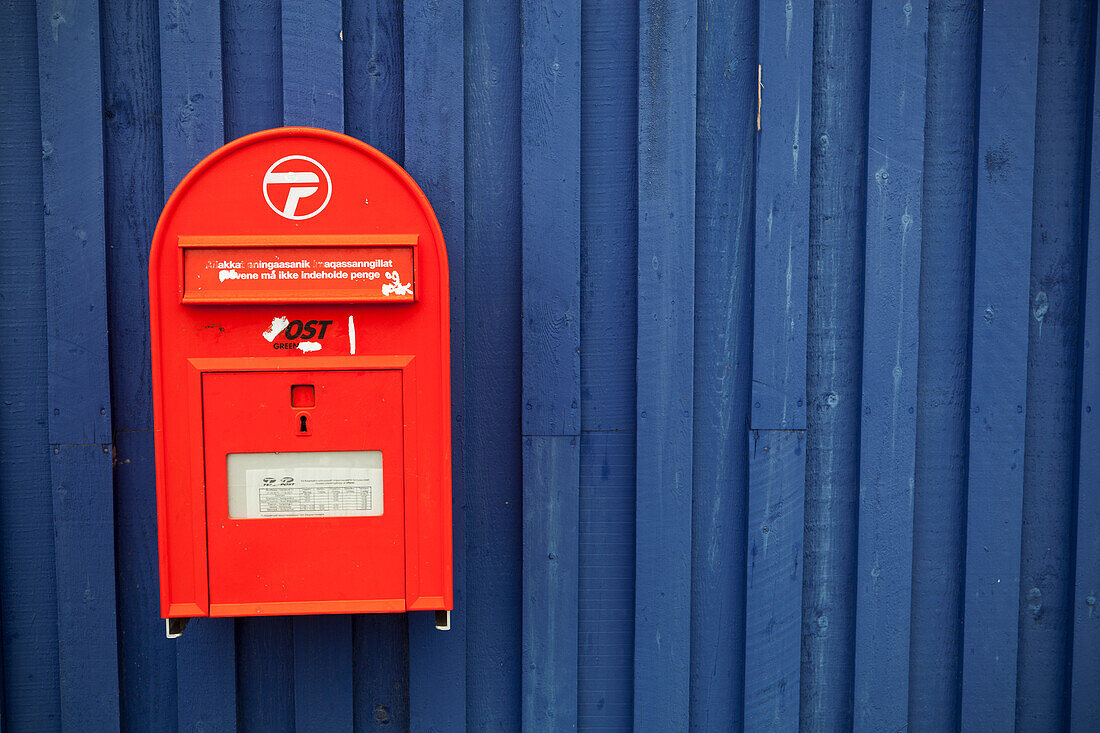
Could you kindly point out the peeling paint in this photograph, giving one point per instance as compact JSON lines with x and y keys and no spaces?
{"x":277,"y":325}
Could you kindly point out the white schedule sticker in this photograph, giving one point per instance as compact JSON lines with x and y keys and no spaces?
{"x":313,"y":491}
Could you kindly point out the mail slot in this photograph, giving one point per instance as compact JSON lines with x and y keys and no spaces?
{"x":300,"y":352}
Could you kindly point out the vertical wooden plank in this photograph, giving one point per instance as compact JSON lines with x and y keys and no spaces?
{"x":773,"y":615}
{"x":374,"y":69}
{"x":265,"y":674}
{"x":551,"y":469}
{"x":148,"y":660}
{"x":252,"y":65}
{"x":374,"y":113}
{"x":609,"y":216}
{"x":323,"y":689}
{"x":322,"y":674}
{"x":1085,"y":653}
{"x":782,"y":221}
{"x":494,"y":350}
{"x":892,"y":250}
{"x":943,"y":366}
{"x":834,"y":342}
{"x":1002,"y":247}
{"x":206,"y":676}
{"x":725,"y":162}
{"x":609,"y":287}
{"x":1062,"y":104}
{"x":434,"y":131}
{"x":313,"y":63}
{"x":28,"y":602}
{"x":84,"y":546}
{"x":134,"y":194}
{"x":550,"y":124}
{"x":313,"y":96}
{"x":776,"y":455}
{"x":192,"y":127}
{"x":312,"y":39}
{"x":606,"y":624}
{"x":72,"y":171}
{"x":192,"y":124}
{"x":79,"y":389}
{"x":666,"y":286}
{"x":380,"y":668}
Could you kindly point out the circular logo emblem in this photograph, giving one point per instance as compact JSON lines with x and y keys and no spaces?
{"x":297,"y":187}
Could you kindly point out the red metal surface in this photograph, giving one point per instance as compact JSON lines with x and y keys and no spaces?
{"x":227,"y":351}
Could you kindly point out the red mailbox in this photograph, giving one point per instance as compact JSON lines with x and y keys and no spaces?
{"x":300,"y":344}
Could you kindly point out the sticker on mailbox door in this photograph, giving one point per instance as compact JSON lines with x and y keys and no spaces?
{"x":313,"y":491}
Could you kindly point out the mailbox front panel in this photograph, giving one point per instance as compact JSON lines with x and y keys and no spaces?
{"x":318,"y":490}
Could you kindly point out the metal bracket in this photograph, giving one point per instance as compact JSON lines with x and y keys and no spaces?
{"x":443,"y":620}
{"x":173,"y":627}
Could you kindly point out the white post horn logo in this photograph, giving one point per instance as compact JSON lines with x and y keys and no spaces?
{"x":299,"y":179}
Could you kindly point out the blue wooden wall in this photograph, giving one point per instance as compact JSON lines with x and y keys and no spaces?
{"x":776,"y":339}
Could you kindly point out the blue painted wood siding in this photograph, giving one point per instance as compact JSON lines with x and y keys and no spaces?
{"x":776,"y":361}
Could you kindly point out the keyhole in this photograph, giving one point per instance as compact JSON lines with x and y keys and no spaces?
{"x":302,"y":425}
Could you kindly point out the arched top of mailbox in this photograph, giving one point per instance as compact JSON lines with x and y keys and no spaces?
{"x":298,"y":182}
